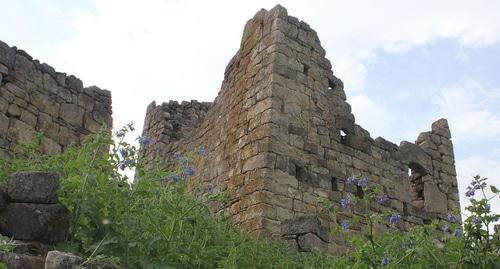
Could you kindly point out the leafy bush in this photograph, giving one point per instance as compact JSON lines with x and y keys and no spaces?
{"x":436,"y":245}
{"x":149,"y":224}
{"x":153,"y":223}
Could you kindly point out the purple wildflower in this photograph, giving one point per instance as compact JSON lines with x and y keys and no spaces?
{"x":476,"y":220}
{"x":457,"y":233}
{"x":120,"y":134}
{"x":351,"y":180}
{"x":382,"y":199}
{"x":477,"y":187}
{"x":386,"y":261}
{"x":362,"y":182}
{"x":189,"y":171}
{"x":394,"y":219}
{"x":445,"y":229}
{"x":346,"y":201}
{"x":345,"y":224}
{"x":124,"y":152}
{"x":201,"y":151}
{"x":177,"y":155}
{"x":123,"y":164}
{"x":451,"y":218}
{"x":143,"y":140}
{"x":469,"y":193}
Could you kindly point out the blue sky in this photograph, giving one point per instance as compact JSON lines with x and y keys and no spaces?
{"x":404,"y":63}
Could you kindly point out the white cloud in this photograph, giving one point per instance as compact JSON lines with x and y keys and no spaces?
{"x":372,"y":116}
{"x":471,"y":109}
{"x":164,"y":50}
{"x":486,"y":165}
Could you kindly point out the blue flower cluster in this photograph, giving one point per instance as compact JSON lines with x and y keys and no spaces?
{"x":382,"y":199}
{"x":186,"y":168}
{"x":344,"y":224}
{"x":395,"y":219}
{"x":346,"y":201}
{"x":124,"y":164}
{"x":361,"y":182}
{"x":472,"y":189}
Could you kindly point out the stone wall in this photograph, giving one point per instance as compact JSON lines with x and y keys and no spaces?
{"x":170,"y":122}
{"x":33,"y":221}
{"x":280,"y":135}
{"x":36,"y":98}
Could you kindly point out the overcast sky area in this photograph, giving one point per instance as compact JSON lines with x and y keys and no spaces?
{"x":405,"y":64}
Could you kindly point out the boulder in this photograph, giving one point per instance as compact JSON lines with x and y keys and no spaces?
{"x":22,"y":261}
{"x":62,"y":260}
{"x":47,"y":223}
{"x":33,"y":187}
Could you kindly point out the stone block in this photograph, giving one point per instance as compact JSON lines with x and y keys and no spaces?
{"x":4,"y":124}
{"x":50,"y":147}
{"x":72,"y":114}
{"x":14,"y":110}
{"x":62,"y":260}
{"x":47,"y":223}
{"x":22,"y":261}
{"x":440,"y":127}
{"x":303,"y":225}
{"x":20,"y":132}
{"x":435,"y":200}
{"x":411,"y":153}
{"x":33,"y":187}
{"x":308,"y":242}
{"x":45,"y":104}
{"x":32,"y":248}
{"x":3,"y":200}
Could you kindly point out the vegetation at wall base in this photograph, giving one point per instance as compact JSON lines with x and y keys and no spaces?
{"x":153,"y":223}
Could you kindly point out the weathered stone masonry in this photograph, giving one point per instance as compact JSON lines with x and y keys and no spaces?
{"x":280,"y":134}
{"x":36,"y":98}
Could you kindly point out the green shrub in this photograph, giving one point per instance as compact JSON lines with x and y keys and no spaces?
{"x":153,"y":223}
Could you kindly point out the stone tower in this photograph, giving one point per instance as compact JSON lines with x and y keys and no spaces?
{"x":280,"y":134}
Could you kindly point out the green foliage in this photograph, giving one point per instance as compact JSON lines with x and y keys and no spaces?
{"x":436,"y":245}
{"x":153,"y":223}
{"x":150,"y":224}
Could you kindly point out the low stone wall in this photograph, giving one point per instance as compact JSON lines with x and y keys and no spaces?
{"x":31,"y":216}
{"x":36,"y":98}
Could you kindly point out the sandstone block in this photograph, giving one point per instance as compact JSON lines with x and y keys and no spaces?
{"x":33,"y":187}
{"x":45,"y":104}
{"x":20,"y":132}
{"x":435,"y":200}
{"x":73,"y":114}
{"x":42,"y":222}
{"x":14,"y":110}
{"x":62,"y":260}
{"x":440,"y":127}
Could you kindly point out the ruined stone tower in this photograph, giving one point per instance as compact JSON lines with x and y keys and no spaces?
{"x":280,"y":134}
